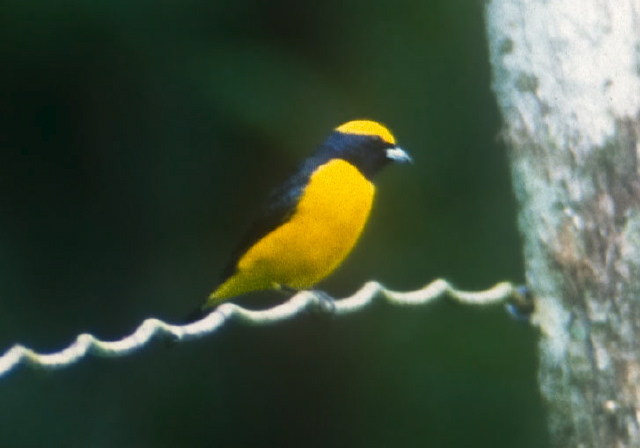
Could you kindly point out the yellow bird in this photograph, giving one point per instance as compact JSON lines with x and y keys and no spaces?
{"x":310,"y":224}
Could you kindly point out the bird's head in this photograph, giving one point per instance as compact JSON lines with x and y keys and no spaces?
{"x":367,"y":145}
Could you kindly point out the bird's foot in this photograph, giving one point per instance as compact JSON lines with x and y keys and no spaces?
{"x":286,"y":290}
{"x":325,"y":302}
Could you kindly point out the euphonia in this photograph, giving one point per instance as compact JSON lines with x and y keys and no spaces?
{"x":310,"y":223}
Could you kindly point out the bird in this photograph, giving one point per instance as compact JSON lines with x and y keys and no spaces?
{"x":311,"y":222}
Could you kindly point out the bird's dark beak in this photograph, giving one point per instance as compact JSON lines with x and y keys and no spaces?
{"x":399,"y":155}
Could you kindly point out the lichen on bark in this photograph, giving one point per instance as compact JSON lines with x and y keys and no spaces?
{"x":566,"y":74}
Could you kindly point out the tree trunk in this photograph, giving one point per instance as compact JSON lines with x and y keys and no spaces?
{"x":566,"y":74}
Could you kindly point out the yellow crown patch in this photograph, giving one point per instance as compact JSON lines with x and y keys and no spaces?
{"x":367,"y":127}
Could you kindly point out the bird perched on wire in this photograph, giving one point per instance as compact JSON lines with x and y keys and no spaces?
{"x":309,"y":224}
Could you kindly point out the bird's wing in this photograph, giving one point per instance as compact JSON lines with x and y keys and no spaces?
{"x":276,"y":210}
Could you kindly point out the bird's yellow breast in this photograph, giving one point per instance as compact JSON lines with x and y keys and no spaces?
{"x":326,"y":224}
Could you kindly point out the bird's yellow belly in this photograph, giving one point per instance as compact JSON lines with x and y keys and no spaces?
{"x":327,"y":223}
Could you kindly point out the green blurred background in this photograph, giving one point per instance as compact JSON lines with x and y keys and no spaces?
{"x":137,"y":139}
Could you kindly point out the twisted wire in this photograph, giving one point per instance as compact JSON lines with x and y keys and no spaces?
{"x":86,"y":343}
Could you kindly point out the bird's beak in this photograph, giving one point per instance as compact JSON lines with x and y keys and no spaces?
{"x":398,"y":155}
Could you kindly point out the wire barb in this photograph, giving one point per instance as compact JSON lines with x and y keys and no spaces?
{"x":86,"y":343}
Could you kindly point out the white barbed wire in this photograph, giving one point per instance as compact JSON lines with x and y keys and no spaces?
{"x":86,"y":343}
